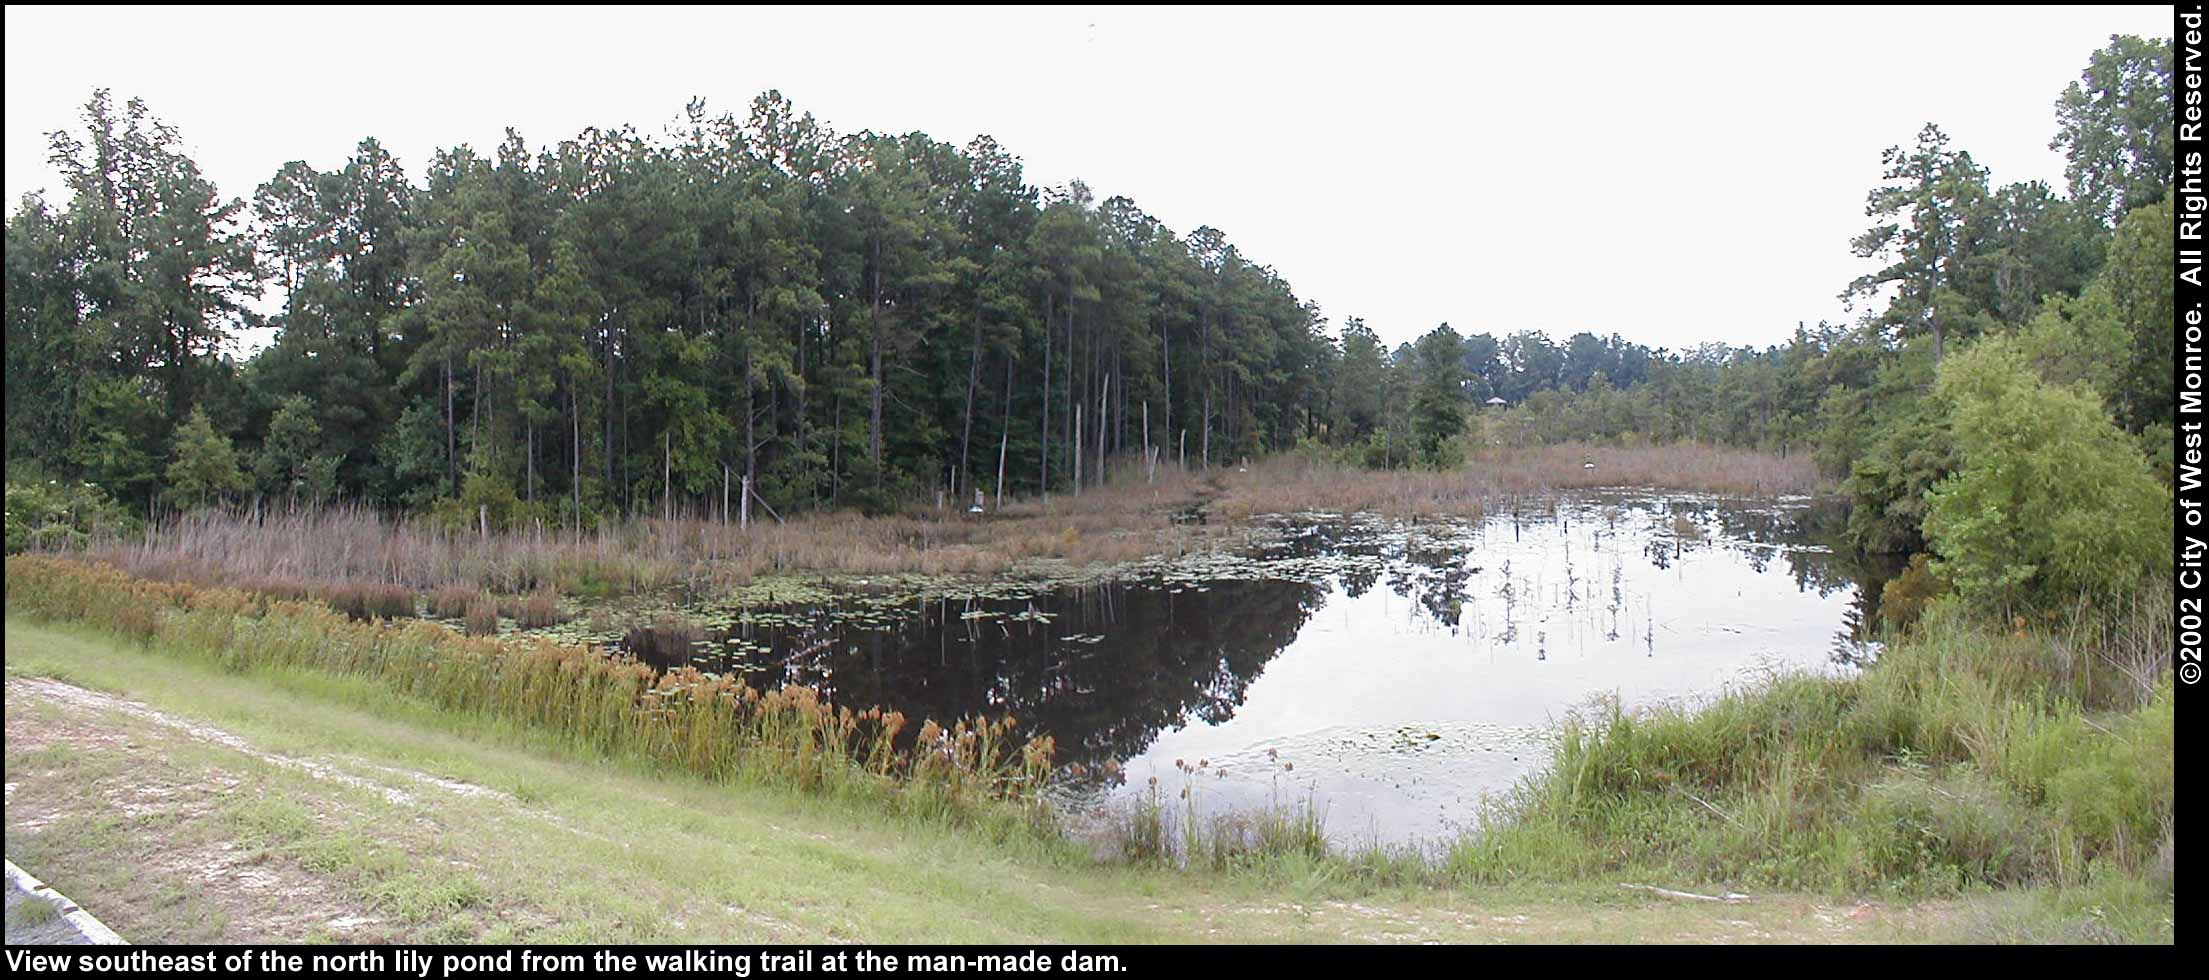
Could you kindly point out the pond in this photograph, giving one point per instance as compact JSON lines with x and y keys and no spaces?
{"x":1391,"y":675}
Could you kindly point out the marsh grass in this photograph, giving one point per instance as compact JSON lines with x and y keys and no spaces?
{"x":451,"y":601}
{"x":539,"y":610}
{"x":1153,"y":830}
{"x":1691,"y":467}
{"x":1131,"y":517}
{"x":655,"y":840}
{"x":482,"y":616}
{"x":715,"y":727}
{"x":1972,"y":756}
{"x":368,"y":601}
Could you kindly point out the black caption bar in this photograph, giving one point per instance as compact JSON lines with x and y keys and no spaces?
{"x":456,"y":963}
{"x":2192,"y":126}
{"x":757,"y":962}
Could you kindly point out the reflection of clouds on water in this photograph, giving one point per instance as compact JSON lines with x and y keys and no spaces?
{"x":1340,"y":636}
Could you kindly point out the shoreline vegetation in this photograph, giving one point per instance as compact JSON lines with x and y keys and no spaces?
{"x":365,"y":560}
{"x":2027,"y":774}
{"x":193,"y":803}
{"x":682,"y":720}
{"x":1975,"y":758}
{"x":536,"y":378}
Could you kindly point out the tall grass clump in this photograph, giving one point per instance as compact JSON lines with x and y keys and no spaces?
{"x":367,"y":601}
{"x":452,"y":601}
{"x":481,"y":618}
{"x":1973,"y":753}
{"x":1150,"y":830}
{"x":715,"y":727}
{"x":539,"y":610}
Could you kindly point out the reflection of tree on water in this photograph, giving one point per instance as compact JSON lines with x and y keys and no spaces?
{"x":1433,"y":571}
{"x":1111,"y":668}
{"x":1436,"y":578}
{"x":1806,"y":537}
{"x":1106,"y":669}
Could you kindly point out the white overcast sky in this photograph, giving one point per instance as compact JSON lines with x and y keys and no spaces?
{"x":1672,"y":175}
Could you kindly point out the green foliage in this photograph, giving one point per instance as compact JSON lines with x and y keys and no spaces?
{"x":413,"y":453}
{"x":2137,"y":282}
{"x":288,"y":464}
{"x":117,"y":420}
{"x":1360,"y":383}
{"x":2078,"y":342}
{"x":2114,"y":127}
{"x":1438,"y":403}
{"x":624,"y":324}
{"x":2050,"y":502}
{"x":486,"y":498}
{"x":1905,"y":448}
{"x":205,"y":466}
{"x":50,"y":515}
{"x":1930,"y":193}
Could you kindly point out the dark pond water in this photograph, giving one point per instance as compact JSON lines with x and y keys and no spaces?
{"x":1390,"y":675}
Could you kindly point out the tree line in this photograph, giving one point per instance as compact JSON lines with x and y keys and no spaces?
{"x":616,"y":323}
{"x":620,"y":324}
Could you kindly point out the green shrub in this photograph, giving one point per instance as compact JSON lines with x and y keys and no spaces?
{"x":53,"y":515}
{"x":2052,"y":501}
{"x":1905,"y":597}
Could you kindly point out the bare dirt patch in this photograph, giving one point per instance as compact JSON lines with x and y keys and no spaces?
{"x":99,"y":800}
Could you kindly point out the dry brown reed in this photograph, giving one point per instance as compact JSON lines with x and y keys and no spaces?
{"x":482,"y":616}
{"x":1130,"y":518}
{"x":539,"y":610}
{"x":368,"y":600}
{"x":1693,"y":467}
{"x":451,"y":601}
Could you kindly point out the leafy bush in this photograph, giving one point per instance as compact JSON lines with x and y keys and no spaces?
{"x":54,"y":515}
{"x":2052,"y":501}
{"x":486,"y":497}
{"x":1905,"y":597}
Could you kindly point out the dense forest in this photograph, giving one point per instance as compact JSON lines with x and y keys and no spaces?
{"x":621,"y":324}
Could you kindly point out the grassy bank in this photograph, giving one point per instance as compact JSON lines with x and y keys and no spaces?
{"x":1972,"y":757}
{"x":1137,"y":514}
{"x":965,"y":770}
{"x":183,"y":801}
{"x":2004,"y":784}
